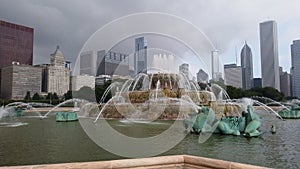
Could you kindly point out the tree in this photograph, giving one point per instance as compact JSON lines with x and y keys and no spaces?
{"x":86,"y":93}
{"x":52,"y":98}
{"x":27,"y":97}
{"x":268,"y":92}
{"x":36,"y":96}
{"x":49,"y":96}
{"x":55,"y":97}
{"x":99,"y":91}
{"x":68,"y":95}
{"x":234,"y":93}
{"x":202,"y":85}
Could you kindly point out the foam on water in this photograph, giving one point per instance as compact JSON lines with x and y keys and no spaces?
{"x":16,"y":124}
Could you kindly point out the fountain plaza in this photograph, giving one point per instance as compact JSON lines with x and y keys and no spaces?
{"x":149,"y":115}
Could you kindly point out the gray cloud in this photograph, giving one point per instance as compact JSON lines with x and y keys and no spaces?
{"x":228,"y":23}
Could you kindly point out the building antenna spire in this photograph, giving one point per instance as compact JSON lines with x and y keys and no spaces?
{"x":236,"y":57}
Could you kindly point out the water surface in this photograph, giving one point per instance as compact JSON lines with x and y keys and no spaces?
{"x":46,"y":141}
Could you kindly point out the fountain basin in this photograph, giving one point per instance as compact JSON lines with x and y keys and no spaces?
{"x":66,"y":116}
{"x":293,"y":113}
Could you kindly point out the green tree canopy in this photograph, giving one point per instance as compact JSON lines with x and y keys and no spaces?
{"x":99,"y":91}
{"x":55,"y":97}
{"x":268,"y":92}
{"x":234,"y":93}
{"x":68,"y":95}
{"x":36,"y":96}
{"x":86,"y":93}
{"x":27,"y":96}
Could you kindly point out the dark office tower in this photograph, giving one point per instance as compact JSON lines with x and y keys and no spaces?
{"x":140,"y":55}
{"x":247,"y":67}
{"x":16,"y":44}
{"x":269,"y":54}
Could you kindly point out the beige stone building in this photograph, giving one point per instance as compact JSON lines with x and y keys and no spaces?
{"x":17,"y":80}
{"x":58,"y":76}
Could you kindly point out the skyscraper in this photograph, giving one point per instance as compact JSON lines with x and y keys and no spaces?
{"x":295,"y":70}
{"x":140,"y":55}
{"x":113,"y":63}
{"x":88,"y":63}
{"x":247,"y":67}
{"x":16,"y":44}
{"x":58,"y":75}
{"x":233,"y":75}
{"x":215,"y":65}
{"x":285,"y":82}
{"x":269,"y":54}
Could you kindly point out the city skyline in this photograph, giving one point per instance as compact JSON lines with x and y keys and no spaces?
{"x":73,"y":23}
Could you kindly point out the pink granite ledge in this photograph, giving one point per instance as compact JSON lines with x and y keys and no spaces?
{"x":162,"y":162}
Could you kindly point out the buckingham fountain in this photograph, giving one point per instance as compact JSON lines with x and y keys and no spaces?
{"x":165,"y":96}
{"x":159,"y":96}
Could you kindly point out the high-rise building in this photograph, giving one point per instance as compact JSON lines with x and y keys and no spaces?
{"x":113,"y":63}
{"x":202,"y":76}
{"x":285,"y":82}
{"x":18,"y":79}
{"x":269,"y":54}
{"x":233,"y":75}
{"x":215,"y":65}
{"x":140,"y":55}
{"x":257,"y":82}
{"x":184,"y":69}
{"x":247,"y":67}
{"x":58,"y":74}
{"x":88,"y":63}
{"x":295,"y":70}
{"x":16,"y":44}
{"x":44,"y":69}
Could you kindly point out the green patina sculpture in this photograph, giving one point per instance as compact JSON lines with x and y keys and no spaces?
{"x":293,"y":113}
{"x":19,"y":111}
{"x":248,"y":123}
{"x":253,"y":123}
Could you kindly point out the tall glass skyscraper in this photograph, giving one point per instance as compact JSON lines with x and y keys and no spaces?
{"x":247,"y":67}
{"x":140,"y":55}
{"x":269,"y":54}
{"x":295,"y":70}
{"x":215,"y":66}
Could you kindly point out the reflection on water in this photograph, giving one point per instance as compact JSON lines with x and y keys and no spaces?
{"x":46,"y":141}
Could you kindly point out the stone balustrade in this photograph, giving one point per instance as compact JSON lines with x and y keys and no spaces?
{"x":162,"y":162}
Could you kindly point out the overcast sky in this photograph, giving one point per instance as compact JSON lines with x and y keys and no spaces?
{"x":227,"y":23}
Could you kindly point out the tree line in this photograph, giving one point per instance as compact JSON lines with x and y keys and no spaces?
{"x":269,"y":92}
{"x":95,"y":95}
